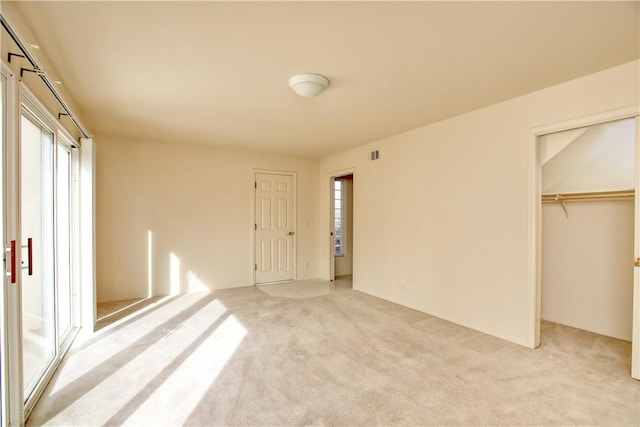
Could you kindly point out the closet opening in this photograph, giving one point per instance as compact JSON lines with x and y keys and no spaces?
{"x":588,"y":240}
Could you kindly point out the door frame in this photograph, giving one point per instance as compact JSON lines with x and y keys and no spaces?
{"x":294,"y":245}
{"x":66,"y":141}
{"x":534,"y":284}
{"x":332,"y":262}
{"x":12,"y":396}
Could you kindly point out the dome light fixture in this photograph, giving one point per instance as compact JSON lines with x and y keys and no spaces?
{"x":309,"y":84}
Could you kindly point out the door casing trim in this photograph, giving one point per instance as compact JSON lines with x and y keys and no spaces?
{"x":331,"y":177}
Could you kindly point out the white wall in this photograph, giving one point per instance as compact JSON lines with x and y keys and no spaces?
{"x":599,"y":159}
{"x":442,"y":216}
{"x":197,"y":201}
{"x":587,"y":268}
{"x":344,"y":264}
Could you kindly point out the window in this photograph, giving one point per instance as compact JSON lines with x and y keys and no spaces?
{"x":338,"y":217}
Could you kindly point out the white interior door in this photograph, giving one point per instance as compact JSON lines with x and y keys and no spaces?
{"x":274,"y":228}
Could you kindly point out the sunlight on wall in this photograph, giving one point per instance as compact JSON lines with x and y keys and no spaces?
{"x":174,"y":273}
{"x":195,"y":284}
{"x":149,"y":264}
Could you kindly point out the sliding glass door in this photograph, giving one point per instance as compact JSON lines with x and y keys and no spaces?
{"x":38,"y":296}
{"x":3,"y":317}
{"x":39,"y":312}
{"x":47,"y":287}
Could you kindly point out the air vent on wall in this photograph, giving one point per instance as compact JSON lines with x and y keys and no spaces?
{"x":374,"y":155}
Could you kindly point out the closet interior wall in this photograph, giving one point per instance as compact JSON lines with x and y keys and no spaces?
{"x":587,"y":242}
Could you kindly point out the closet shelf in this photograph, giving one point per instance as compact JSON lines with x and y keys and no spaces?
{"x":577,"y":197}
{"x":602,"y":195}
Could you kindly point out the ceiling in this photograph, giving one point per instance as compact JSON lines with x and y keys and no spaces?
{"x":217,"y":72}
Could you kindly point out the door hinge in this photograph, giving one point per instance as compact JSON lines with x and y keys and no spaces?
{"x":255,"y":267}
{"x":255,"y":226}
{"x":255,"y":184}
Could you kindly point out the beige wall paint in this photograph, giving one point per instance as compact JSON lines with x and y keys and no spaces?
{"x":197,"y":201}
{"x":442,"y":216}
{"x":344,"y":264}
{"x":587,"y":269}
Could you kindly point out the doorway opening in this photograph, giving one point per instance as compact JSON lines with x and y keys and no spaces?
{"x":342,"y":230}
{"x":586,"y":210}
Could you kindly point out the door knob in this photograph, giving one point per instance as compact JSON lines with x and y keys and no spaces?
{"x":291,"y":233}
{"x":637,"y":262}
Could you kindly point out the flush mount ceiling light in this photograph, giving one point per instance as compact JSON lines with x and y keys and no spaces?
{"x":308,"y":85}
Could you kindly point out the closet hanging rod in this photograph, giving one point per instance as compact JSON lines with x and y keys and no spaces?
{"x":603,"y":195}
{"x":34,"y":62}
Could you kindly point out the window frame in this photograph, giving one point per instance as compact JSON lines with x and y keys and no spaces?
{"x":341,"y":216}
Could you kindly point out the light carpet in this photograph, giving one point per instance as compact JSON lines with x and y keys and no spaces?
{"x":243,"y":357}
